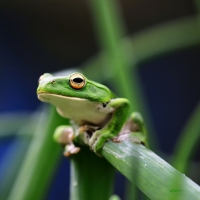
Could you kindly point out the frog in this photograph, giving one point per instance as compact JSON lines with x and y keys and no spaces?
{"x":96,"y":114}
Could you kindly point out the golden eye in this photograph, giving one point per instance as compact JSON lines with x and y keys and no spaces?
{"x":77,"y":81}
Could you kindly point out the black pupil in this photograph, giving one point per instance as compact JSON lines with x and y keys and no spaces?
{"x":78,"y":80}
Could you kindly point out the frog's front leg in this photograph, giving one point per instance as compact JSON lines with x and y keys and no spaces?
{"x":64,"y":135}
{"x":120,"y":108}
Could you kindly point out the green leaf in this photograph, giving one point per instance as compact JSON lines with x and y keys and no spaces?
{"x":92,"y":177}
{"x":150,"y":173}
{"x":41,"y":159}
{"x":187,"y":142}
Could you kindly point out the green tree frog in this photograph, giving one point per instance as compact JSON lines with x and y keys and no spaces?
{"x":96,"y":114}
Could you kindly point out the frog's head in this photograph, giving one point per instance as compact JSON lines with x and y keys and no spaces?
{"x":75,"y":85}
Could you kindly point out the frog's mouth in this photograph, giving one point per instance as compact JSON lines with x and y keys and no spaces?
{"x":44,"y":96}
{"x":52,"y":98}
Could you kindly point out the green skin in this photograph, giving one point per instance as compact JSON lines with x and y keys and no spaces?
{"x":96,"y":114}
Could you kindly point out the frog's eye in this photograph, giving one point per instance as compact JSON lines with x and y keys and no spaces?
{"x":77,"y":81}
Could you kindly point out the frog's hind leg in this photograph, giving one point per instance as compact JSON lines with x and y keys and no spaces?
{"x":64,"y":135}
{"x":138,"y":122}
{"x":134,"y":129}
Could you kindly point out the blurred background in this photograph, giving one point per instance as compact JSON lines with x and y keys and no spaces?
{"x":49,"y":36}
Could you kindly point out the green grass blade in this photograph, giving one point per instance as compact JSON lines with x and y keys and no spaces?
{"x":11,"y":123}
{"x":188,"y":142}
{"x":41,"y":159}
{"x":110,"y":30}
{"x":92,"y":177}
{"x":152,"y":42}
{"x":155,"y":177}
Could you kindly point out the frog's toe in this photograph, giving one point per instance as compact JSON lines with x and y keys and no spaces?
{"x":97,"y":148}
{"x":94,"y":138}
{"x":98,"y":144}
{"x":63,"y":134}
{"x":71,"y":149}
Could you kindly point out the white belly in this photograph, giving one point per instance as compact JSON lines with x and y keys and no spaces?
{"x":81,"y":111}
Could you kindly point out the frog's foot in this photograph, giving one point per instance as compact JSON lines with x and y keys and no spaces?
{"x":71,"y":149}
{"x":88,"y":128}
{"x":85,"y":132}
{"x":133,"y":130}
{"x":135,"y":137}
{"x":98,"y":139}
{"x":64,"y":135}
{"x":135,"y":123}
